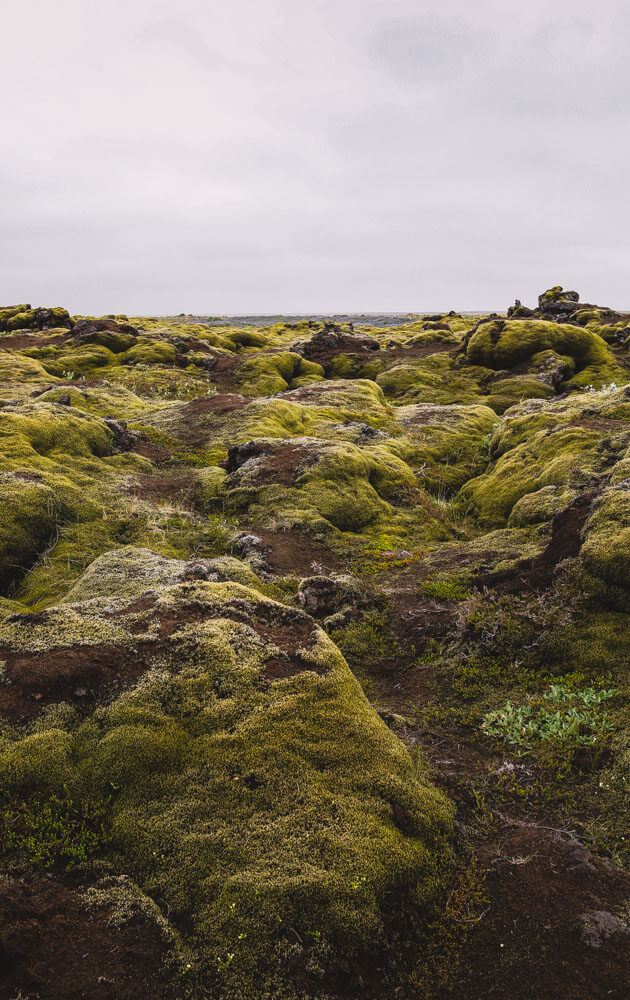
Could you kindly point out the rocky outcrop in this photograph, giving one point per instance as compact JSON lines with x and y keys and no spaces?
{"x":332,"y":340}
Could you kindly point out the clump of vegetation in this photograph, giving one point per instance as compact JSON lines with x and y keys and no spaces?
{"x":54,"y":833}
{"x":561,"y":715}
{"x":446,"y":590}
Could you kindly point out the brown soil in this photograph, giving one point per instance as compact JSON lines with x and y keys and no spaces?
{"x":603,"y":424}
{"x":279,"y":667}
{"x":196,"y":416}
{"x":219,"y":404}
{"x":275,"y":463}
{"x":536,"y":880}
{"x":386,"y":355}
{"x":538,"y":883}
{"x":51,"y":948}
{"x":566,"y":542}
{"x":83,"y":675}
{"x":287,"y":628}
{"x":415,"y":352}
{"x":21,"y":341}
{"x":80,"y":675}
{"x":293,"y":552}
{"x":223,"y":374}
{"x":309,"y":393}
{"x":172,"y":488}
{"x":155,"y":452}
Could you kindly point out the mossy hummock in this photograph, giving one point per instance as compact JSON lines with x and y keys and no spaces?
{"x":253,"y":791}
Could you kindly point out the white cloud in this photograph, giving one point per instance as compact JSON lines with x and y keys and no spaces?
{"x":266,"y":155}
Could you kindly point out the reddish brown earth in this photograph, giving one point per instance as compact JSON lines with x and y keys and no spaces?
{"x":152,"y":450}
{"x":20,"y":341}
{"x":87,"y":674}
{"x":80,"y":675}
{"x":538,"y":884}
{"x":566,"y":542}
{"x":294,"y":552}
{"x":221,"y":403}
{"x":51,"y":948}
{"x":156,"y":488}
{"x":280,"y":462}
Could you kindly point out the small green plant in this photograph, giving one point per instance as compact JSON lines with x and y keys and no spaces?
{"x":588,"y":696}
{"x":57,"y":833}
{"x":446,"y":590}
{"x":224,"y":963}
{"x":358,"y":882}
{"x":484,"y":444}
{"x":575,"y":721}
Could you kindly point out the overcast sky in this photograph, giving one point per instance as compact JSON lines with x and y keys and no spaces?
{"x":312,"y":155}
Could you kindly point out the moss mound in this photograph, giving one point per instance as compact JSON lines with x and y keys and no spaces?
{"x":577,"y":443}
{"x":606,"y":549}
{"x":505,"y":344}
{"x":236,"y":800}
{"x":25,"y":318}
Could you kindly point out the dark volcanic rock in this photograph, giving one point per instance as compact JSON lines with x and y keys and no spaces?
{"x":124,"y":439}
{"x":331,"y":340}
{"x":117,"y":337}
{"x":597,"y":927}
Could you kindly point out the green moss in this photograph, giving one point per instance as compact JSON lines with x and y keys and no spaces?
{"x":125,"y":903}
{"x":157,"y":382}
{"x":28,"y":525}
{"x":235,"y":799}
{"x":37,"y":763}
{"x":53,"y":833}
{"x":114,"y":340}
{"x":541,"y":506}
{"x":211,"y":486}
{"x":564,"y":458}
{"x":235,"y":339}
{"x":573,"y":443}
{"x":268,"y":374}
{"x":447,"y":444}
{"x":353,"y":366}
{"x":447,"y":589}
{"x":104,"y":400}
{"x":7,"y":312}
{"x":499,"y":551}
{"x":129,"y":571}
{"x":50,"y":431}
{"x":317,"y":410}
{"x":606,"y":549}
{"x":17,"y":368}
{"x":503,"y":393}
{"x":149,"y":352}
{"x":63,"y":503}
{"x":332,"y":487}
{"x":240,"y":803}
{"x":505,"y":344}
{"x":434,"y":379}
{"x":25,"y":318}
{"x":72,"y":362}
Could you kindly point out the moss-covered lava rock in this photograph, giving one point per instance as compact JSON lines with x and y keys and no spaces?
{"x":252,"y":790}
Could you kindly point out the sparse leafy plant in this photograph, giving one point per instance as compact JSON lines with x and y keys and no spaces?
{"x":446,"y":590}
{"x":56,"y":833}
{"x":560,"y":715}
